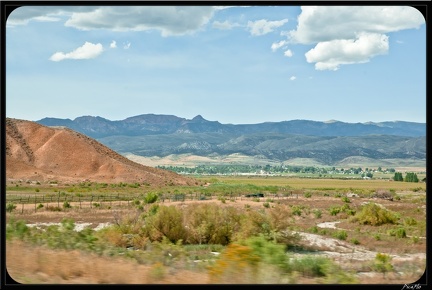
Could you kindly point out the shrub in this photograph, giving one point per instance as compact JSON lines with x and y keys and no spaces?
{"x":66,"y":204}
{"x":346,"y":199}
{"x":268,"y":251}
{"x":317,"y":213}
{"x":399,"y":232}
{"x":334,"y":210}
{"x":150,"y":198}
{"x":136,"y":202}
{"x":373,"y":214}
{"x":382,"y":263}
{"x":296,"y":210}
{"x":237,"y":264}
{"x":167,"y":222}
{"x":10,"y":207}
{"x":40,"y":206}
{"x":311,"y":266}
{"x":355,"y":241}
{"x":53,"y":208}
{"x":308,"y":195}
{"x":16,"y":228}
{"x":409,"y":221}
{"x":213,"y":224}
{"x":383,"y":193}
{"x":266,"y":204}
{"x":341,"y":235}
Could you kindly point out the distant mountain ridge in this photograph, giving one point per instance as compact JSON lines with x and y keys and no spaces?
{"x":324,"y":142}
{"x":153,"y":124}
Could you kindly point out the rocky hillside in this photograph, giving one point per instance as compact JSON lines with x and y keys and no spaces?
{"x":37,"y":152}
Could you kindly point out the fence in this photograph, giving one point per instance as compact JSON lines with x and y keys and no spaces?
{"x":118,"y":200}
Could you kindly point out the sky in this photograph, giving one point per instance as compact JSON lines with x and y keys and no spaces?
{"x":232,"y":64}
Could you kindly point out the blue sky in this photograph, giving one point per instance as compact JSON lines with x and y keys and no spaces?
{"x":239,"y":65}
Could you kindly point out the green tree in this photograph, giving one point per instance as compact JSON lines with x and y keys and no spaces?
{"x":398,"y":176}
{"x":411,"y":177}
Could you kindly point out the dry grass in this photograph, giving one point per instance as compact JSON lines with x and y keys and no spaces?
{"x":39,"y":265}
{"x":309,"y":183}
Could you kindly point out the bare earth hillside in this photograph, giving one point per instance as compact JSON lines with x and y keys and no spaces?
{"x":40,"y":153}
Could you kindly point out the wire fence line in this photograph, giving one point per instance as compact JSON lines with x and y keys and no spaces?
{"x":61,"y":197}
{"x":111,"y":200}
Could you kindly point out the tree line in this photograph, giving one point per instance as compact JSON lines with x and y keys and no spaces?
{"x":409,"y":177}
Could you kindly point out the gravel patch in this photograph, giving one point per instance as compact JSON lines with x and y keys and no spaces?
{"x":78,"y":226}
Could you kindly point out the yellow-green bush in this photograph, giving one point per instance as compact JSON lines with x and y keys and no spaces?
{"x":375,"y":215}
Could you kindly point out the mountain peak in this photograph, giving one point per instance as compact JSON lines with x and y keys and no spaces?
{"x":198,"y":118}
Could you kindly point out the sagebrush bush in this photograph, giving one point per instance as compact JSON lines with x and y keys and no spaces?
{"x":334,"y":210}
{"x":317,"y":213}
{"x":268,"y":251}
{"x":382,"y":263}
{"x":211,"y":224}
{"x":373,"y":214}
{"x":167,"y":222}
{"x":150,"y":197}
{"x":237,"y":264}
{"x":10,"y":207}
{"x":399,"y":232}
{"x":311,"y":266}
{"x":341,"y":235}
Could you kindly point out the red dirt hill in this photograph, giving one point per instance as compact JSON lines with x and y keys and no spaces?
{"x":39,"y":153}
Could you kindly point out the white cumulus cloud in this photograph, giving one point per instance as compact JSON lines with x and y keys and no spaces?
{"x":127,"y":45}
{"x":24,"y":14}
{"x":263,"y":26}
{"x":325,"y":23}
{"x":170,"y":20}
{"x":226,"y":25}
{"x":350,"y":34}
{"x":293,"y":78}
{"x":113,"y":44}
{"x":328,"y":55}
{"x":276,"y":45}
{"x":87,"y":51}
{"x":288,"y":53}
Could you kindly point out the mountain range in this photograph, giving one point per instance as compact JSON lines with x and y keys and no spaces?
{"x":325,"y":142}
{"x":153,"y":124}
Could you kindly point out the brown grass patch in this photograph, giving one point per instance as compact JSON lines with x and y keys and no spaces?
{"x":39,"y":265}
